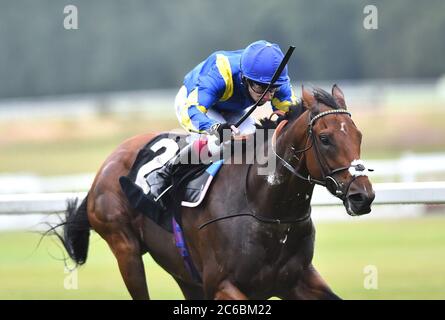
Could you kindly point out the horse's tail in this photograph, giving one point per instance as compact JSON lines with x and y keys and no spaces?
{"x":76,"y":231}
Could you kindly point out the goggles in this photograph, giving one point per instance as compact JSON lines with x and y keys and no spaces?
{"x":259,"y":88}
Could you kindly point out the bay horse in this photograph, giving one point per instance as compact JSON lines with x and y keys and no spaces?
{"x":263,"y":250}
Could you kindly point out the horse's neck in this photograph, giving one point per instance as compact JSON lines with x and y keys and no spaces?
{"x":280,"y":194}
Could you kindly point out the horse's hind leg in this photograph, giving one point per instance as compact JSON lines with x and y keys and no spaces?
{"x":111,"y":219}
{"x":311,"y":287}
{"x":128,"y":253}
{"x":190,"y":292}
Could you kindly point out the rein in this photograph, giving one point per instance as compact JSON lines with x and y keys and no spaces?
{"x":328,"y":181}
{"x":253,"y":214}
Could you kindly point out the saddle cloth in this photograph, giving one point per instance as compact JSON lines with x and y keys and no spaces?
{"x":189,"y":190}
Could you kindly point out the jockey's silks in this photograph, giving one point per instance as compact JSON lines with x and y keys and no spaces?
{"x":216,"y":83}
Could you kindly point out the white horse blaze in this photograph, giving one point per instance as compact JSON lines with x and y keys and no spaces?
{"x":342,"y":127}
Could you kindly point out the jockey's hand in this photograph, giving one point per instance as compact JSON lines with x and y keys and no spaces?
{"x":218,"y":129}
{"x":281,"y":118}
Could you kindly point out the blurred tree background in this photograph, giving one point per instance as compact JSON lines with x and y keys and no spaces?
{"x":137,"y":44}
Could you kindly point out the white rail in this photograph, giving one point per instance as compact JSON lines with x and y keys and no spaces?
{"x":393,"y":193}
{"x":407,"y":168}
{"x":36,"y":202}
{"x":386,"y":193}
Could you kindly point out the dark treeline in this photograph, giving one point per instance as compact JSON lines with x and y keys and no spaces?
{"x":136,"y":44}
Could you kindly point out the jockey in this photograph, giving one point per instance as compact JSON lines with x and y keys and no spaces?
{"x":215,"y":95}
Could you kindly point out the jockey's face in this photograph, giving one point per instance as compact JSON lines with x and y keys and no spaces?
{"x":256,"y":90}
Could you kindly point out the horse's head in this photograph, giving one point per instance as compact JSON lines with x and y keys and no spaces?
{"x":333,"y":150}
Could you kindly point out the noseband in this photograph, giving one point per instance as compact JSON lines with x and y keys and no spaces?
{"x":356,"y":168}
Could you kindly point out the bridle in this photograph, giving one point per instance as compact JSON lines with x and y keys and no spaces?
{"x":356,"y":168}
{"x":327,"y":180}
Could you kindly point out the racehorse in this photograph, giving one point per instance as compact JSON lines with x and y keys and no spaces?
{"x":266,"y":248}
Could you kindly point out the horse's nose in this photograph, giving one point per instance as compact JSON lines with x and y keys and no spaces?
{"x":359,"y":201}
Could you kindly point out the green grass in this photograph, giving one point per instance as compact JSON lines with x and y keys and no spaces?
{"x":409,"y":256}
{"x":29,"y":273}
{"x":63,"y":146}
{"x":60,"y":146}
{"x":57,"y":158}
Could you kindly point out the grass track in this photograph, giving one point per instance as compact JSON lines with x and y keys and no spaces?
{"x":409,"y":256}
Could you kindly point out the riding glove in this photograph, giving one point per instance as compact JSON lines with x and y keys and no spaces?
{"x":218,"y":130}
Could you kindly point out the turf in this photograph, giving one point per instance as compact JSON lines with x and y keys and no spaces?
{"x":69,"y":146}
{"x":409,"y":256}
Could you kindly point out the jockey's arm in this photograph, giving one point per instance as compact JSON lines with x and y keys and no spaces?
{"x":284,"y":98}
{"x":209,"y":91}
{"x":199,"y":121}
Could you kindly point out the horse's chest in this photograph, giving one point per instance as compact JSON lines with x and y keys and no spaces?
{"x":286,"y":263}
{"x":272,"y":259}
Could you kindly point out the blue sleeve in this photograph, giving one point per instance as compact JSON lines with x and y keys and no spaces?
{"x":284,"y":98}
{"x":199,"y":119}
{"x":209,"y":89}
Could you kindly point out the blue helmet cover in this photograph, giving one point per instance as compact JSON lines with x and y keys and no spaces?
{"x":260,"y":60}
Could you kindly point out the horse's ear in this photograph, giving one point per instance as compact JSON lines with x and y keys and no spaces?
{"x":338,"y":96}
{"x":308,"y":98}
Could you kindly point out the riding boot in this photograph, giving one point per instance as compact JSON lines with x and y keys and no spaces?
{"x":160,"y":181}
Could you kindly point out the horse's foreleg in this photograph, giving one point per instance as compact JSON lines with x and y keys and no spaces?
{"x":311,"y":287}
{"x":190,"y":291}
{"x":227,"y":291}
{"x":127,"y":251}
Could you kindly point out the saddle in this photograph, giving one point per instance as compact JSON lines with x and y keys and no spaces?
{"x":189,"y":188}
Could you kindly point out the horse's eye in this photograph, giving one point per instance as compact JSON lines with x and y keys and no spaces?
{"x":324,"y":140}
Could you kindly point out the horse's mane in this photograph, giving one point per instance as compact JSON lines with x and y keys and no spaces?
{"x":295,"y":111}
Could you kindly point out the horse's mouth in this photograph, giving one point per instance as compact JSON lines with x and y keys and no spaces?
{"x":357,"y":206}
{"x":354,"y":213}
